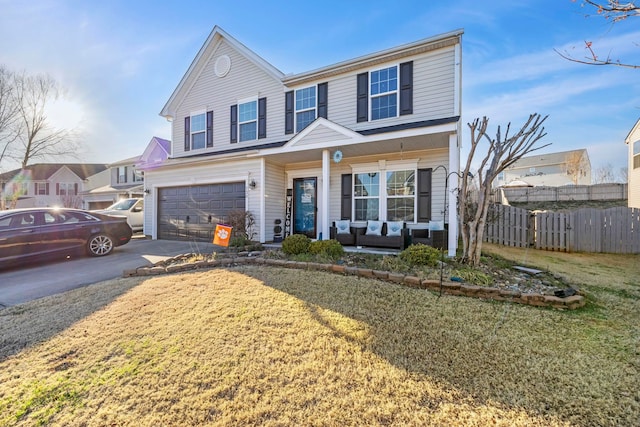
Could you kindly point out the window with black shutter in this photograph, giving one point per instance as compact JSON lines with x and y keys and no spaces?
{"x":406,"y":88}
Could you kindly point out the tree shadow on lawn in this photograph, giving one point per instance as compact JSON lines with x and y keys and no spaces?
{"x":526,"y":358}
{"x":26,"y":325}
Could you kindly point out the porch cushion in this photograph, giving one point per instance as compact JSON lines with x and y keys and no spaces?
{"x":436,"y":225}
{"x":374,"y":228}
{"x":343,"y":226}
{"x":394,"y":228}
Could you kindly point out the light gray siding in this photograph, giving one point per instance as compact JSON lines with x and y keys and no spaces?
{"x":212,"y":93}
{"x":433,"y":92}
{"x":275,"y":195}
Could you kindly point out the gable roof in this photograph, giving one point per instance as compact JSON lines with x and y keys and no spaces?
{"x":43,"y":171}
{"x":209,"y":46}
{"x":627,"y":140}
{"x":548,"y":159}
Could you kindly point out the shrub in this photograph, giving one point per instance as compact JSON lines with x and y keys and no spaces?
{"x":296,"y":244}
{"x":331,"y":248}
{"x":421,"y":255}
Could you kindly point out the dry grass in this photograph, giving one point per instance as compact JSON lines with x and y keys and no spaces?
{"x":265,"y":346}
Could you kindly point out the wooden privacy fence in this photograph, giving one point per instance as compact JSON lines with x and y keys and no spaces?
{"x":614,"y":230}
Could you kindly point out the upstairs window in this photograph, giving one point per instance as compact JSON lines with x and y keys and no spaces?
{"x":67,"y":189}
{"x":636,"y":155}
{"x":198,"y":134}
{"x":137,"y":176}
{"x":122,"y":175}
{"x":42,"y":188}
{"x":248,"y":121}
{"x":384,"y":93}
{"x":305,"y":107}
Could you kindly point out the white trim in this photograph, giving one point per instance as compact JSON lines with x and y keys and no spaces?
{"x":263,"y":204}
{"x":454,"y":173}
{"x":325,"y":208}
{"x":457,"y":79}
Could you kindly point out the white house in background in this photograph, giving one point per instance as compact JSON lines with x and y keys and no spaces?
{"x":551,"y":169}
{"x":124,"y":179}
{"x":47,"y":184}
{"x":633,"y":145}
{"x":369,"y":138}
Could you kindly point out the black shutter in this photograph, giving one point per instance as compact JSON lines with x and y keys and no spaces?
{"x":323,"y":100}
{"x":125,"y":175}
{"x":363,"y":97}
{"x":35,"y":188}
{"x":187,"y":133}
{"x":75,"y":189}
{"x":234,"y":124}
{"x":57,"y":188}
{"x":288,"y":112}
{"x":209,"y":128}
{"x":345,"y":195}
{"x":262,"y":118}
{"x":424,"y":195}
{"x":406,"y":88}
{"x":47,"y":189}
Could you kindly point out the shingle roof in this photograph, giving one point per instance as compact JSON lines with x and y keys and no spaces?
{"x":43,"y":171}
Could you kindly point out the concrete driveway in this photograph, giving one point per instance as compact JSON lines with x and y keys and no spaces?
{"x":38,"y":280}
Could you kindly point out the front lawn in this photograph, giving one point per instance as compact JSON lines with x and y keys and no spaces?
{"x":255,"y":345}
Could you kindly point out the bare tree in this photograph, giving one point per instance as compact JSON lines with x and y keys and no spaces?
{"x":604,"y":175}
{"x":624,"y":174}
{"x":8,"y":112}
{"x":36,"y":137}
{"x":503,"y":151}
{"x":573,"y":166}
{"x":613,"y":11}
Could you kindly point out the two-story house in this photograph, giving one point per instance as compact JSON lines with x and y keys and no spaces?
{"x":124,"y":179}
{"x":359,"y":140}
{"x":552,"y":169}
{"x":47,"y":184}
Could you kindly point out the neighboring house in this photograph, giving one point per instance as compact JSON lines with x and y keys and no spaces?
{"x":362,"y":140}
{"x":633,"y":144}
{"x":47,"y":184}
{"x":124,"y":179}
{"x":551,"y":169}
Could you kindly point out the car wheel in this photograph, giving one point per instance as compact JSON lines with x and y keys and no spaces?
{"x":99,"y":245}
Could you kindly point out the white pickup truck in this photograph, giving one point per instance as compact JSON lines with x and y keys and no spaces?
{"x":133,"y":209}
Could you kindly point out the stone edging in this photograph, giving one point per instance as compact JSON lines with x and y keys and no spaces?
{"x":450,"y":288}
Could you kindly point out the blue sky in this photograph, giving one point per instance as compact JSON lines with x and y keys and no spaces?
{"x":119,"y":61}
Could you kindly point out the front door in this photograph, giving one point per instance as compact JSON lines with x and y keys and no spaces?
{"x":304,"y":206}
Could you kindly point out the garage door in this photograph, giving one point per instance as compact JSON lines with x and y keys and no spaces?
{"x":191,"y":213}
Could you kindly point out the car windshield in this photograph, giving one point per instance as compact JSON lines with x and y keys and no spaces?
{"x":122,"y":205}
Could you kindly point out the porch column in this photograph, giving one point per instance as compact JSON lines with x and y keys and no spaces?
{"x":326,"y":163}
{"x":452,"y":209}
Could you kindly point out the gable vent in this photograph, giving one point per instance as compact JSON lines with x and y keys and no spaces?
{"x":222,"y":65}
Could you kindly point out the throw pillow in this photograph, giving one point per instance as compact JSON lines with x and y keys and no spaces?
{"x":394,"y":228}
{"x":436,"y":225}
{"x":343,"y":226}
{"x":374,"y":228}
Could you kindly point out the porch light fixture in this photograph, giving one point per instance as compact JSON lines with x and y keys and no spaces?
{"x":252,"y":184}
{"x":146,"y":191}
